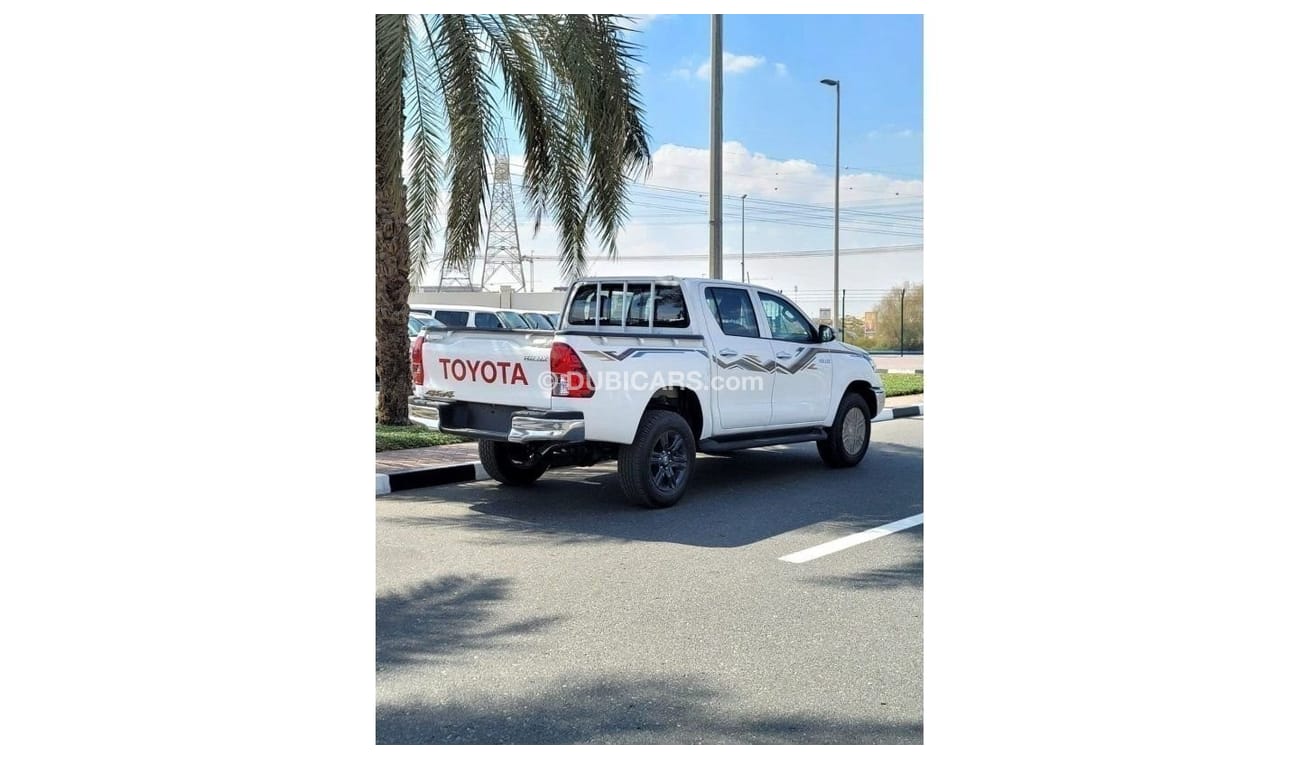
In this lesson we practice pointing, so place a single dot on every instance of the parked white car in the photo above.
(538, 320)
(649, 371)
(479, 317)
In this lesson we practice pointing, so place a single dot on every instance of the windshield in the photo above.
(538, 321)
(512, 320)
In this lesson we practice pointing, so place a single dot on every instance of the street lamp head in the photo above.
(743, 197)
(831, 82)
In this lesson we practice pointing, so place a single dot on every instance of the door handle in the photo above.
(784, 355)
(726, 352)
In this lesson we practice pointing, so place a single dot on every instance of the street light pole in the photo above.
(715, 154)
(742, 236)
(836, 287)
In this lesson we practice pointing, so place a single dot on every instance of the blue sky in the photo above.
(777, 107)
(779, 148)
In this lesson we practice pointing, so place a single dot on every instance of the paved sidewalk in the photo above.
(388, 462)
(429, 456)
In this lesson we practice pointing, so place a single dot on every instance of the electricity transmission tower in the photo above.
(502, 249)
(455, 277)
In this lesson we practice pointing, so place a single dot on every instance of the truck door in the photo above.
(741, 360)
(802, 390)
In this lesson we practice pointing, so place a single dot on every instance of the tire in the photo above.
(655, 468)
(510, 464)
(849, 437)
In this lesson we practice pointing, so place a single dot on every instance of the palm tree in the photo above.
(570, 86)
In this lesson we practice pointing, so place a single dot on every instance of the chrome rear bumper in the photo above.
(525, 429)
(499, 423)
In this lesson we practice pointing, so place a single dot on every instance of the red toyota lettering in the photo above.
(486, 371)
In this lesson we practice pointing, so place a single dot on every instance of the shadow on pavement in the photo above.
(621, 711)
(733, 500)
(907, 574)
(441, 617)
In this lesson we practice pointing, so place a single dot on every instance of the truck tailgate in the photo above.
(487, 366)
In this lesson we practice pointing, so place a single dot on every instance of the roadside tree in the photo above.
(570, 86)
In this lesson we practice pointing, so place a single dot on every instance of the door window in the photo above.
(733, 311)
(785, 321)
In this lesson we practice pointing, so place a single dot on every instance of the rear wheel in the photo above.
(849, 435)
(510, 464)
(655, 468)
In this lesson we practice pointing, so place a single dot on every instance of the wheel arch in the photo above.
(868, 394)
(684, 401)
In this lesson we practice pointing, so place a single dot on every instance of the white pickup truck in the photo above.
(648, 371)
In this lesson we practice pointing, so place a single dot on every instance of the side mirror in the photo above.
(827, 333)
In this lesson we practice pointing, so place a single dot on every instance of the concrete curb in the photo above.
(899, 412)
(900, 372)
(386, 483)
(430, 476)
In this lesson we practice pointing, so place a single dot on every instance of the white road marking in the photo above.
(839, 544)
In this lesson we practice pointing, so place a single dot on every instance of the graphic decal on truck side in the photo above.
(803, 357)
(627, 353)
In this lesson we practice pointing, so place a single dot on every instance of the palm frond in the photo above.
(512, 49)
(390, 47)
(423, 151)
(566, 186)
(591, 62)
(472, 123)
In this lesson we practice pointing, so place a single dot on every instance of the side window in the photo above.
(452, 318)
(583, 310)
(487, 321)
(733, 311)
(638, 304)
(785, 321)
(670, 307)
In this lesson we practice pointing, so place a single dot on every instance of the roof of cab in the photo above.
(677, 280)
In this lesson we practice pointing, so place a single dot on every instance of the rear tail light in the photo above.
(417, 360)
(570, 374)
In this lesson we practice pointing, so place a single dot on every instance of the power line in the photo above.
(812, 253)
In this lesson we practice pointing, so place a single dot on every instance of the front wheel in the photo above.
(656, 466)
(510, 464)
(848, 438)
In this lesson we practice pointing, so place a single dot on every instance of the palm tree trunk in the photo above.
(392, 240)
(392, 286)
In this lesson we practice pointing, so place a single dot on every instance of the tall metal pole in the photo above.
(742, 236)
(715, 155)
(835, 307)
(844, 296)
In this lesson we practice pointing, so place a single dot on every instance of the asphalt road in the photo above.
(559, 614)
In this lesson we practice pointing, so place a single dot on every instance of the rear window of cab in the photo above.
(630, 304)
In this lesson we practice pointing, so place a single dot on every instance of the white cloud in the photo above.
(888, 131)
(781, 70)
(731, 64)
